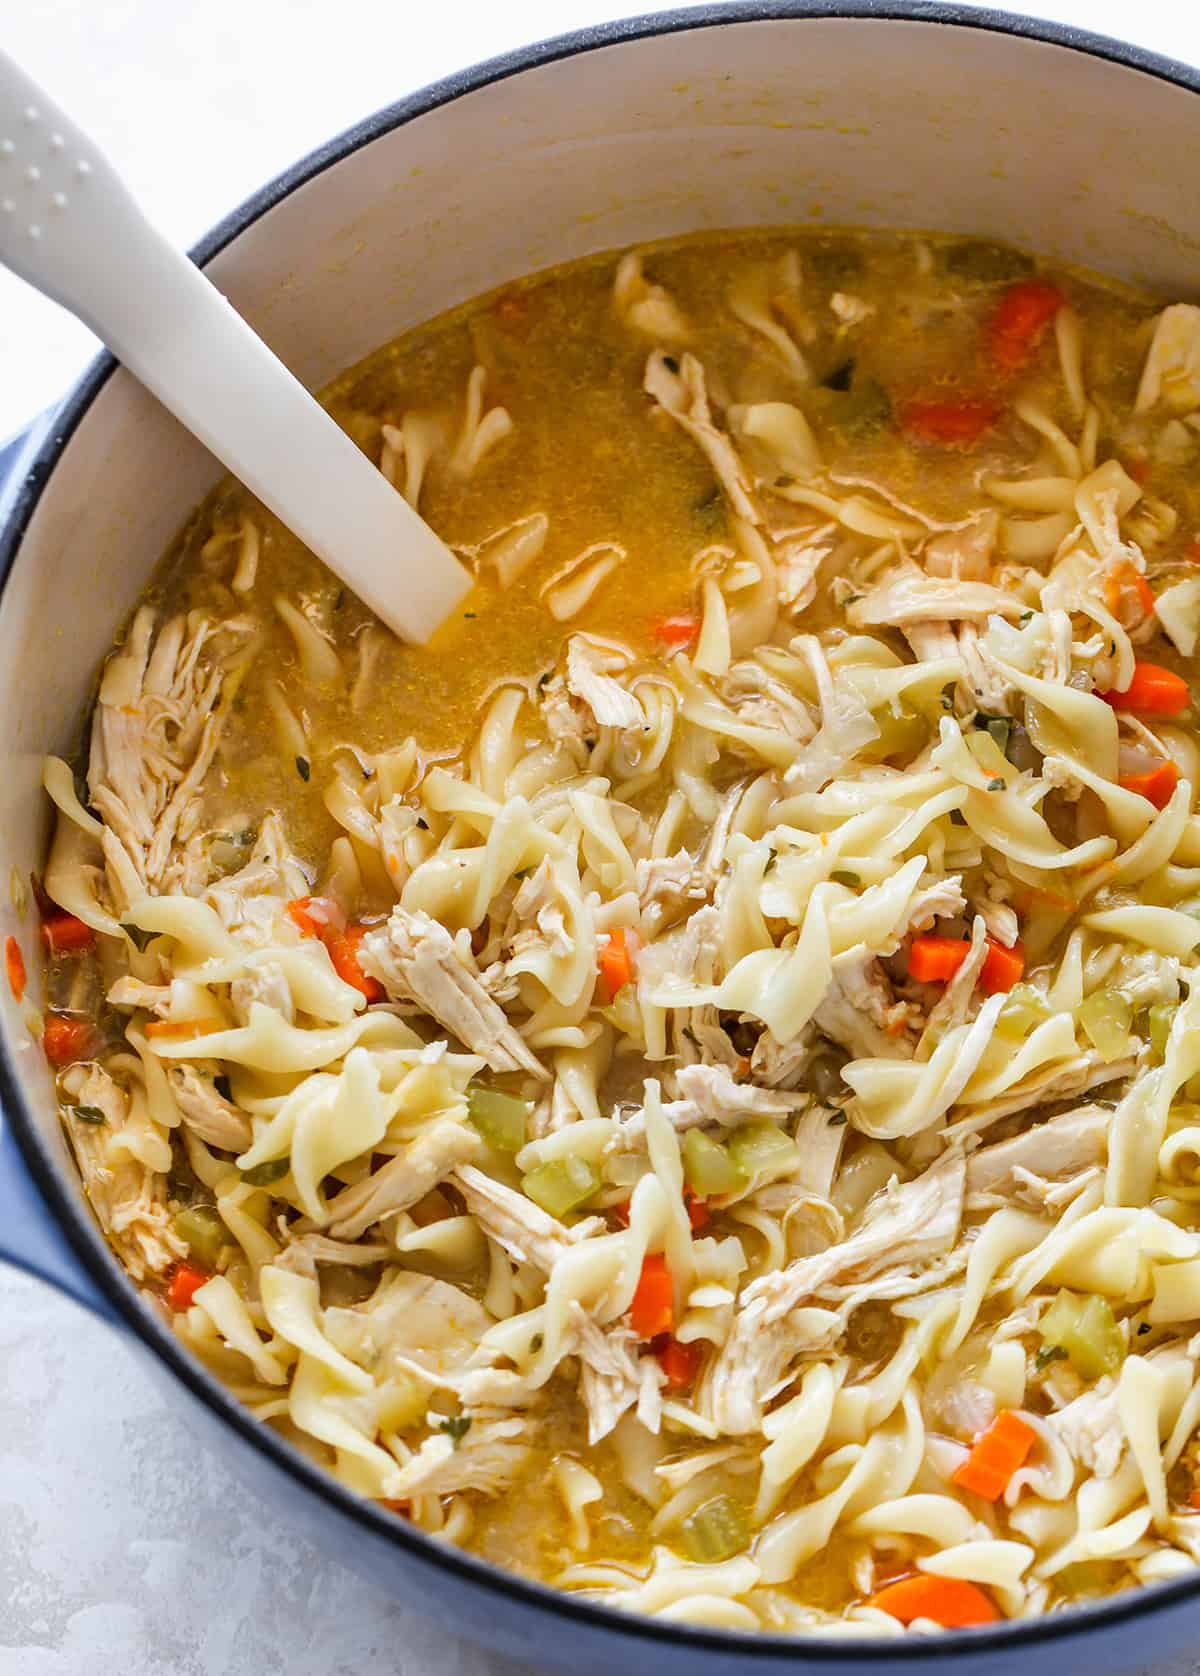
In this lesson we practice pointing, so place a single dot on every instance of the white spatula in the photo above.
(70, 227)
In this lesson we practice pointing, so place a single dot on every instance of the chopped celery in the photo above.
(1159, 1020)
(1023, 1010)
(202, 1231)
(1106, 1018)
(1086, 1328)
(499, 1118)
(760, 1146)
(562, 1185)
(707, 1166)
(262, 1175)
(716, 1531)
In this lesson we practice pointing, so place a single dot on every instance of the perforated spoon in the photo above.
(71, 228)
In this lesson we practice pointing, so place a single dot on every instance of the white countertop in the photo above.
(124, 1547)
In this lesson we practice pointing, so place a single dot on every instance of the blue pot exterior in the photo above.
(49, 1233)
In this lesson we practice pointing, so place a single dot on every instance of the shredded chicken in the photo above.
(415, 959)
(679, 389)
(524, 1230)
(208, 1113)
(909, 1223)
(1053, 1149)
(427, 1160)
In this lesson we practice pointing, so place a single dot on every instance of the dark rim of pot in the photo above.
(70, 1207)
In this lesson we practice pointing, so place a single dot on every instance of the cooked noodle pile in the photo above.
(739, 1105)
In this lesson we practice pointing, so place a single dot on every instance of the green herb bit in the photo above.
(202, 1231)
(1048, 1354)
(500, 1118)
(997, 784)
(561, 1185)
(716, 1531)
(836, 1121)
(841, 877)
(708, 1167)
(262, 1175)
(139, 938)
(1086, 1329)
(88, 1114)
(456, 1427)
(304, 769)
(1025, 618)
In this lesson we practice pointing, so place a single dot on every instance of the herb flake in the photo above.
(1047, 1354)
(456, 1427)
(998, 784)
(89, 1114)
(304, 769)
(836, 1121)
(262, 1175)
(139, 938)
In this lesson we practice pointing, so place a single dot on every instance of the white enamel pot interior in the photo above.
(906, 116)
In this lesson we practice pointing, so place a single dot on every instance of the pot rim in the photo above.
(71, 1208)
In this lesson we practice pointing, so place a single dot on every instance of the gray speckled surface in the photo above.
(123, 1546)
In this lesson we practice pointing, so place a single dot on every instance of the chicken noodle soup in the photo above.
(689, 1085)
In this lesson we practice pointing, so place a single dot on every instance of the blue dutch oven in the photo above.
(905, 115)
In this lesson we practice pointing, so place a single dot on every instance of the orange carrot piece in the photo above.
(403, 1508)
(948, 1601)
(948, 424)
(343, 949)
(1019, 321)
(65, 934)
(1156, 784)
(653, 1308)
(316, 916)
(1128, 595)
(186, 1281)
(14, 966)
(933, 959)
(1002, 968)
(1153, 691)
(996, 1455)
(680, 1362)
(66, 1040)
(616, 964)
(181, 1029)
(677, 632)
(699, 1214)
(1194, 1499)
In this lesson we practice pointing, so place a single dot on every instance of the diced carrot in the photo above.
(949, 423)
(1194, 1499)
(675, 633)
(699, 1214)
(1153, 691)
(1138, 469)
(948, 1601)
(14, 965)
(933, 959)
(316, 915)
(653, 1308)
(680, 1362)
(1127, 594)
(620, 1213)
(403, 1508)
(66, 1040)
(1019, 323)
(181, 1029)
(996, 1455)
(1002, 968)
(343, 949)
(65, 934)
(1155, 783)
(616, 964)
(186, 1281)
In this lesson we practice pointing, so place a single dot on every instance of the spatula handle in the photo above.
(71, 228)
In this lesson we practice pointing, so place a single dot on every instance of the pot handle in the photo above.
(30, 1237)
